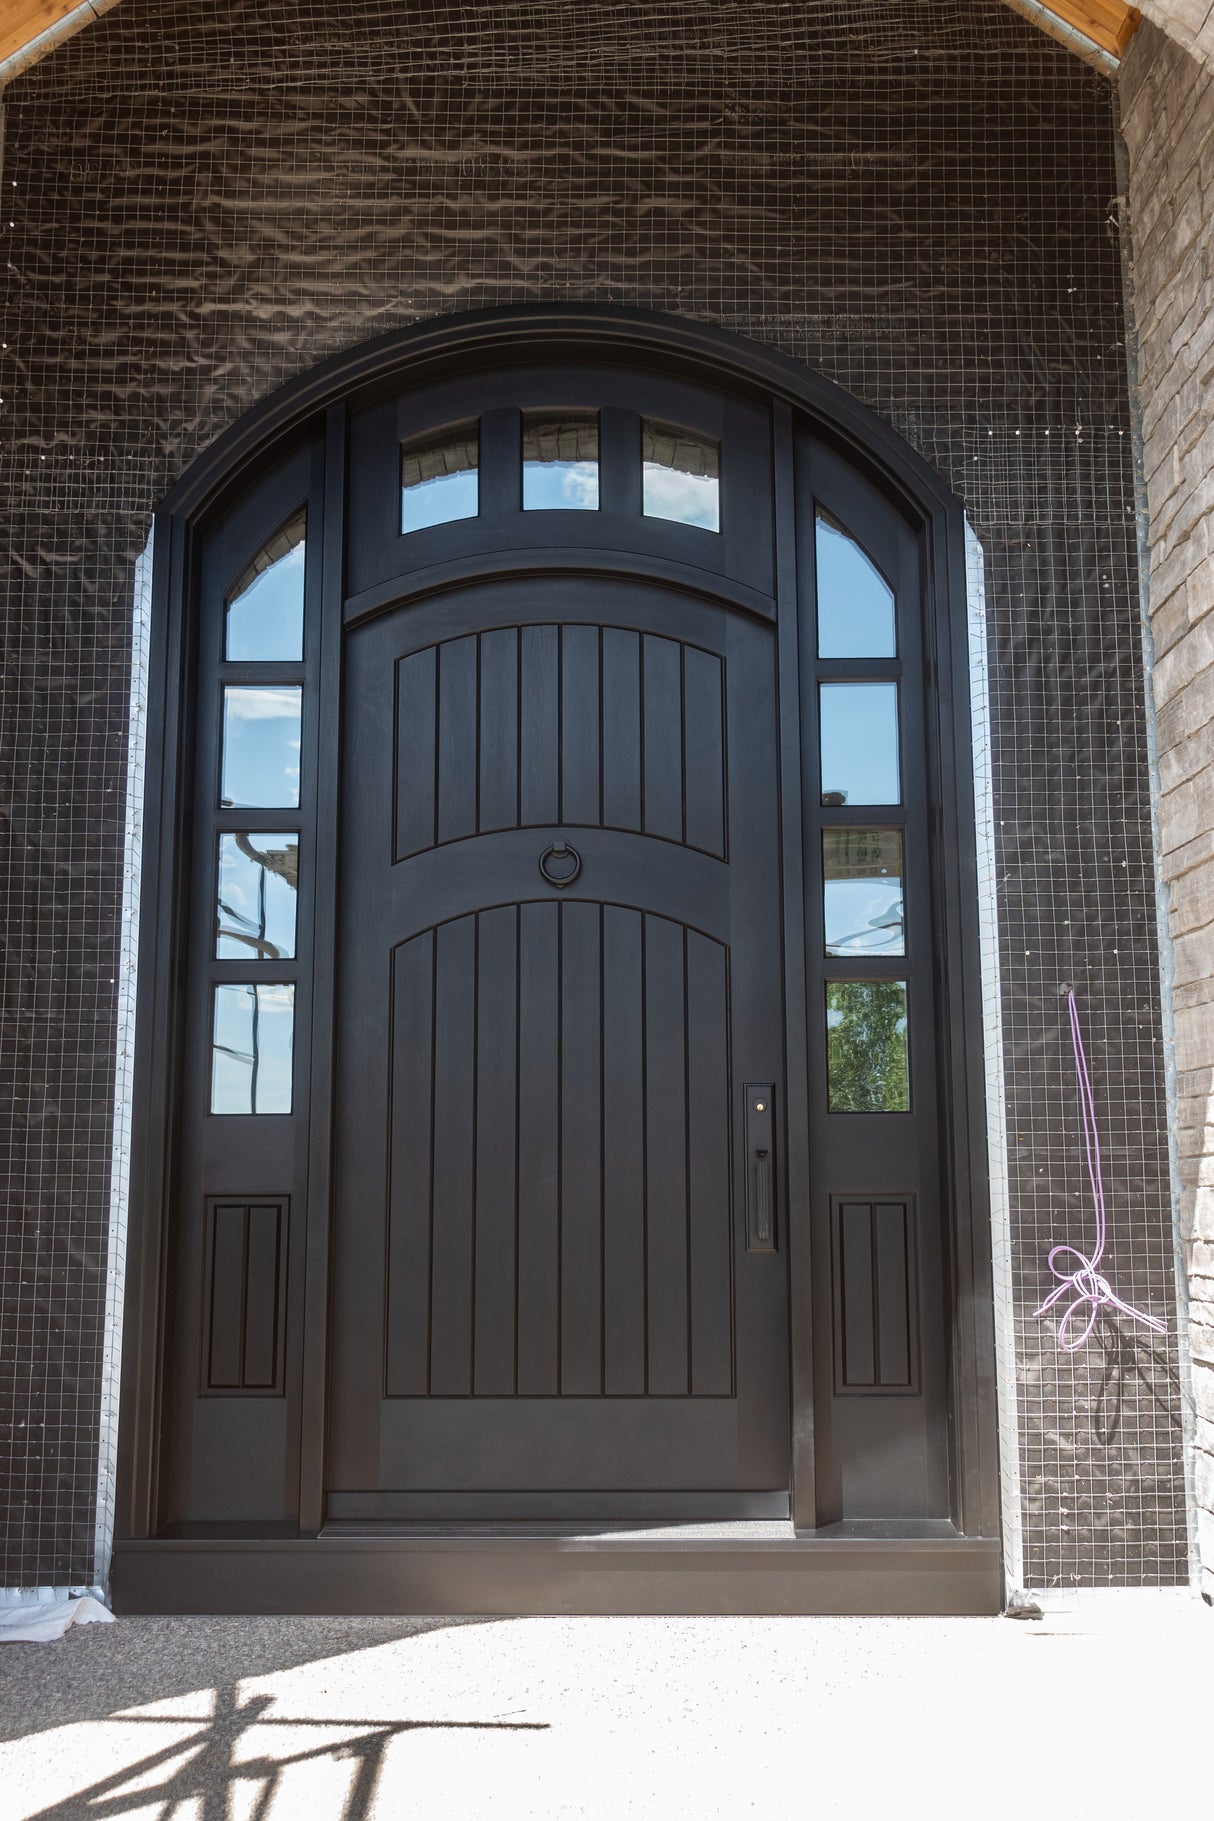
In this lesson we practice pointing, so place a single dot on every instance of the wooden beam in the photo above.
(1107, 23)
(23, 21)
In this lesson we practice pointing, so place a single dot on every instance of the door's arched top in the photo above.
(438, 352)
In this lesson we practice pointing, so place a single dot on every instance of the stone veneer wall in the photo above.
(1168, 120)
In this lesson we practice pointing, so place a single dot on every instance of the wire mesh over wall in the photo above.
(915, 198)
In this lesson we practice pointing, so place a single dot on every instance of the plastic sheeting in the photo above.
(48, 1620)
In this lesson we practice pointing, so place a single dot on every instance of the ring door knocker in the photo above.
(562, 852)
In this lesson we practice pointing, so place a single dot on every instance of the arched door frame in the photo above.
(317, 404)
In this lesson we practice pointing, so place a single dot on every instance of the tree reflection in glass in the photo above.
(866, 1052)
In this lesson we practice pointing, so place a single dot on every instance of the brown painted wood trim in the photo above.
(455, 1573)
(1108, 23)
(31, 29)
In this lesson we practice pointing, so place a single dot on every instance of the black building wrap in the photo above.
(915, 198)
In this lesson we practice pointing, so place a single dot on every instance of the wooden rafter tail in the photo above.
(1107, 23)
(1133, 19)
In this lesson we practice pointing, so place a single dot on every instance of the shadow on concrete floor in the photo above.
(100, 1670)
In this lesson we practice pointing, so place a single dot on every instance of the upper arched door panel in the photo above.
(559, 463)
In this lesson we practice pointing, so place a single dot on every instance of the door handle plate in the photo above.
(760, 1167)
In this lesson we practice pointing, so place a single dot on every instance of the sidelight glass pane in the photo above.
(560, 461)
(261, 746)
(263, 615)
(251, 1044)
(258, 887)
(681, 475)
(866, 1056)
(439, 476)
(855, 602)
(862, 891)
(860, 744)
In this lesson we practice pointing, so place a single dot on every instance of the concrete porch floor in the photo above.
(1097, 1711)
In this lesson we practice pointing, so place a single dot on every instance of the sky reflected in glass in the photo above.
(860, 744)
(440, 477)
(265, 611)
(680, 473)
(862, 891)
(258, 890)
(855, 602)
(261, 737)
(253, 1038)
(561, 461)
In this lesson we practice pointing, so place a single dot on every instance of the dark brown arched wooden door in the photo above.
(560, 976)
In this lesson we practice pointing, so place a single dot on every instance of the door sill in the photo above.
(758, 1567)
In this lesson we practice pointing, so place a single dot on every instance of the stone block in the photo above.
(1186, 742)
(1185, 813)
(1180, 856)
(1195, 1037)
(1203, 1391)
(1203, 1215)
(1193, 955)
(1203, 1478)
(1190, 658)
(1185, 716)
(1192, 901)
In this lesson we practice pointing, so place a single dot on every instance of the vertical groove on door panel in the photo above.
(457, 757)
(454, 1154)
(893, 1293)
(663, 738)
(704, 751)
(580, 795)
(581, 1052)
(416, 752)
(710, 1222)
(407, 1367)
(540, 725)
(623, 1138)
(857, 1290)
(227, 1295)
(539, 1090)
(665, 1157)
(499, 729)
(496, 1137)
(621, 729)
(261, 1313)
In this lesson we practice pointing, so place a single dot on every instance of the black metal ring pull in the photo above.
(560, 850)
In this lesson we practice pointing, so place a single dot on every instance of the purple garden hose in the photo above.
(1085, 1282)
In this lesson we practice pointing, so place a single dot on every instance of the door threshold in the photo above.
(750, 1530)
(758, 1567)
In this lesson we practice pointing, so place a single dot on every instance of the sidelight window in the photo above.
(258, 888)
(252, 1038)
(263, 614)
(261, 741)
(855, 602)
(860, 744)
(866, 1055)
(862, 891)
